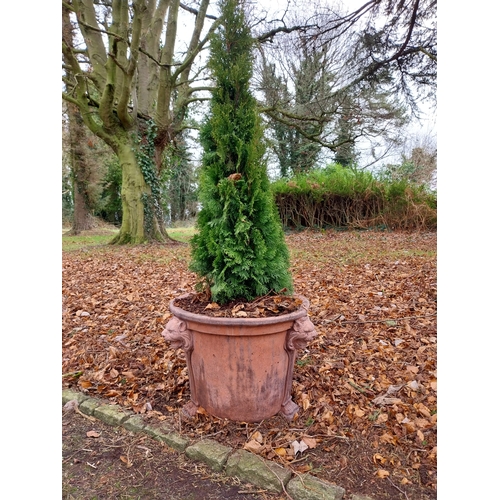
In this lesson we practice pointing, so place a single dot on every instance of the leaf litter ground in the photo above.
(366, 386)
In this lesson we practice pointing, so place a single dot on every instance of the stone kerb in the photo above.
(242, 464)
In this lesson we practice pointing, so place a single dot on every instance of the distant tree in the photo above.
(377, 61)
(181, 196)
(418, 161)
(345, 130)
(81, 173)
(308, 83)
(67, 189)
(110, 204)
(422, 158)
(84, 170)
(84, 162)
(289, 146)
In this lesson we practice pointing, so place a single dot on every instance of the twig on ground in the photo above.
(399, 489)
(360, 389)
(252, 492)
(88, 417)
(319, 435)
(282, 484)
(213, 434)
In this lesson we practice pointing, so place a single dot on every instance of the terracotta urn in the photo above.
(240, 368)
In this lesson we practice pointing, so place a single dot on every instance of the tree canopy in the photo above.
(134, 77)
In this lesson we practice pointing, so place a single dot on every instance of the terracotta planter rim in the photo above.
(213, 320)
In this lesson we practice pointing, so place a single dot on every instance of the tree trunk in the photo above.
(142, 216)
(80, 168)
(82, 218)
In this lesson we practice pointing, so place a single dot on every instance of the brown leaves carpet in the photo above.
(367, 385)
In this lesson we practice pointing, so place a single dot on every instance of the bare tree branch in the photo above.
(195, 12)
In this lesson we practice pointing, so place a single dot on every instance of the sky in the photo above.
(426, 126)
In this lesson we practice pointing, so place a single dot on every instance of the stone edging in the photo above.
(242, 464)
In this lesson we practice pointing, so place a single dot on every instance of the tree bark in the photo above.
(142, 220)
(80, 171)
(133, 187)
(83, 220)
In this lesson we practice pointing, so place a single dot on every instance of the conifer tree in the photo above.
(240, 250)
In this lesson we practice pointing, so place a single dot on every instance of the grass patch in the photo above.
(102, 237)
(72, 243)
(183, 234)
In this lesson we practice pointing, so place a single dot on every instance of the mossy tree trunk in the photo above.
(128, 80)
(142, 221)
(134, 189)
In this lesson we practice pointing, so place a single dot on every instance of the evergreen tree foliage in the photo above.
(180, 190)
(345, 153)
(240, 250)
(295, 152)
(110, 206)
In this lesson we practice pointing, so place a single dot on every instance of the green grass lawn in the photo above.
(103, 236)
(181, 233)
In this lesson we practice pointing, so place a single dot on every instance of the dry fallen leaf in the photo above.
(93, 434)
(378, 458)
(309, 441)
(423, 410)
(71, 405)
(213, 305)
(328, 417)
(382, 418)
(381, 473)
(126, 461)
(303, 468)
(388, 438)
(257, 436)
(305, 401)
(237, 309)
(385, 400)
(299, 447)
(414, 385)
(253, 446)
